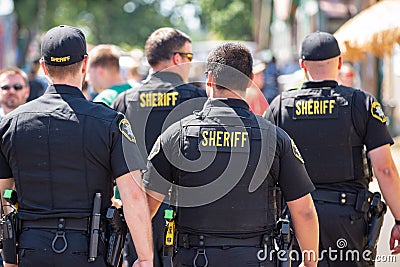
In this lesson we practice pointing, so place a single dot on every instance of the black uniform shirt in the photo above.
(367, 116)
(287, 167)
(150, 106)
(61, 149)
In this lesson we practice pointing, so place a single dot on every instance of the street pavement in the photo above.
(384, 258)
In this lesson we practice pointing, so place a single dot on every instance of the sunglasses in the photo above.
(186, 55)
(16, 86)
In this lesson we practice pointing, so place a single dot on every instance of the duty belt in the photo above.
(343, 198)
(191, 240)
(81, 224)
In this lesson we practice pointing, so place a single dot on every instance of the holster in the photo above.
(284, 240)
(8, 232)
(116, 240)
(376, 215)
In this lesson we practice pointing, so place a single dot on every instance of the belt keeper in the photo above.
(186, 243)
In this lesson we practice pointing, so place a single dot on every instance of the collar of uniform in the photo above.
(319, 84)
(64, 89)
(231, 102)
(169, 77)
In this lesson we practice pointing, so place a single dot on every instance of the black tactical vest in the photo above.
(149, 111)
(232, 146)
(320, 121)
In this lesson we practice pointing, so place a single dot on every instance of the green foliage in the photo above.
(228, 19)
(128, 23)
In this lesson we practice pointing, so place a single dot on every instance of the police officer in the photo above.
(224, 163)
(60, 150)
(149, 107)
(336, 127)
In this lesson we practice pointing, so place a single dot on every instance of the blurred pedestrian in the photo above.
(104, 73)
(254, 96)
(14, 89)
(37, 83)
(348, 76)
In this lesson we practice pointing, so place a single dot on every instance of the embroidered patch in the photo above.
(377, 112)
(156, 148)
(126, 130)
(296, 151)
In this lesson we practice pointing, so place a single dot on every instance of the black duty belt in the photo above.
(81, 224)
(342, 198)
(191, 240)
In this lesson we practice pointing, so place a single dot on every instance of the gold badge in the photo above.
(296, 151)
(126, 130)
(377, 112)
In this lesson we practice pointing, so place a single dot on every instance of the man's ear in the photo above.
(302, 65)
(85, 64)
(176, 59)
(251, 78)
(210, 79)
(43, 65)
(340, 63)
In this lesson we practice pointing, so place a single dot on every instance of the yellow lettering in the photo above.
(303, 107)
(60, 59)
(244, 135)
(226, 138)
(174, 98)
(204, 141)
(236, 139)
(218, 133)
(142, 100)
(298, 105)
(160, 99)
(325, 106)
(211, 141)
(316, 107)
(309, 104)
(331, 106)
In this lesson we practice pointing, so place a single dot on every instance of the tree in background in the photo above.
(228, 19)
(128, 23)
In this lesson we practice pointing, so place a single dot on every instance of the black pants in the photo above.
(219, 257)
(158, 224)
(35, 249)
(343, 236)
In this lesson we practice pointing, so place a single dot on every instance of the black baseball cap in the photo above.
(319, 46)
(63, 45)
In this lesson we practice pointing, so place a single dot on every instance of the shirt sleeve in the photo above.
(5, 169)
(119, 103)
(272, 112)
(125, 155)
(293, 177)
(370, 121)
(161, 172)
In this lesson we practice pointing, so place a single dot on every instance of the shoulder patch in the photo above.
(126, 130)
(377, 112)
(296, 151)
(156, 148)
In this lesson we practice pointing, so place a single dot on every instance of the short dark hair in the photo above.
(163, 42)
(226, 60)
(63, 71)
(105, 55)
